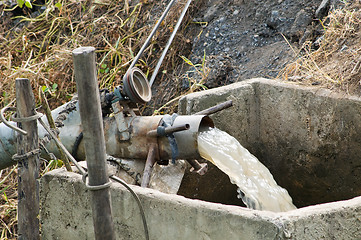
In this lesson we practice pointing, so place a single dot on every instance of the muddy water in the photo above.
(256, 186)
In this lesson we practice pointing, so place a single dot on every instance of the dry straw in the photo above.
(39, 48)
(336, 63)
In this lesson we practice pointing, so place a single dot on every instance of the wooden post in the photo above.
(28, 164)
(91, 118)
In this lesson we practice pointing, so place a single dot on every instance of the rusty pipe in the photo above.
(149, 165)
(163, 131)
(137, 147)
(200, 168)
(216, 108)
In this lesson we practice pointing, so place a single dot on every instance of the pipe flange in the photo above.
(136, 86)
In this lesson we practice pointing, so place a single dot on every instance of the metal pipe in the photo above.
(138, 145)
(145, 45)
(187, 141)
(149, 166)
(200, 168)
(69, 126)
(136, 148)
(163, 131)
(7, 145)
(170, 40)
(216, 108)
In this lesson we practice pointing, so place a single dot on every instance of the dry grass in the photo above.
(8, 203)
(195, 76)
(336, 64)
(39, 48)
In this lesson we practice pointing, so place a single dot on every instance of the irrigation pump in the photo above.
(154, 138)
(157, 139)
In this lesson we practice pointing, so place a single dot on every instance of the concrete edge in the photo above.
(323, 208)
(151, 193)
(275, 82)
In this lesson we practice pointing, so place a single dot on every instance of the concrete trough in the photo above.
(308, 137)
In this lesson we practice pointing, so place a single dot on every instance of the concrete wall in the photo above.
(308, 137)
(66, 214)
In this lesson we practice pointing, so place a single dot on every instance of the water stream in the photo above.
(256, 185)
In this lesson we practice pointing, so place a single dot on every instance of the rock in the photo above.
(220, 70)
(274, 20)
(211, 13)
(323, 9)
(250, 33)
(302, 20)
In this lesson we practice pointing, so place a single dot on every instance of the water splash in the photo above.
(256, 185)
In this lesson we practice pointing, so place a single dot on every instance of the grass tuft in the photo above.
(335, 63)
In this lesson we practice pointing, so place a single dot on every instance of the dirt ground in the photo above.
(244, 38)
(241, 39)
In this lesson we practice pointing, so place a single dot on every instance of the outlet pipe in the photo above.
(137, 147)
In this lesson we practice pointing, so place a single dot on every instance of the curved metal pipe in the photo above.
(3, 119)
(146, 43)
(170, 40)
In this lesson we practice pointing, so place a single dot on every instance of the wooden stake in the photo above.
(91, 118)
(28, 167)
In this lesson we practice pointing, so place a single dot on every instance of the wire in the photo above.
(138, 202)
(3, 119)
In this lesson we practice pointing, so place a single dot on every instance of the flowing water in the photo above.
(256, 185)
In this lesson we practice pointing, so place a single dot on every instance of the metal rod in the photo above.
(62, 147)
(170, 40)
(28, 164)
(49, 117)
(146, 43)
(91, 119)
(216, 108)
(3, 119)
(168, 130)
(148, 166)
(200, 168)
